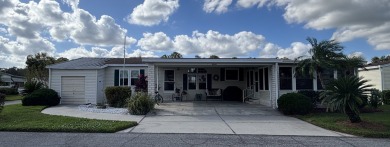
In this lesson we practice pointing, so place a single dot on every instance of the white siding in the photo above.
(374, 77)
(386, 77)
(90, 82)
(100, 86)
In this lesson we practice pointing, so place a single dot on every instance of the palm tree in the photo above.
(348, 65)
(345, 95)
(323, 55)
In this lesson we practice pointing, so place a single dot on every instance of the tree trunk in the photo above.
(321, 80)
(353, 116)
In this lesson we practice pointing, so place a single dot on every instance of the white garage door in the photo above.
(72, 90)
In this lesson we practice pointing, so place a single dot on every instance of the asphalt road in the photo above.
(14, 139)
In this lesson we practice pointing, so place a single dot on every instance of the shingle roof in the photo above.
(93, 63)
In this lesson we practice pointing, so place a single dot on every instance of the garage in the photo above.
(72, 90)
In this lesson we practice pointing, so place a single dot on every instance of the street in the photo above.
(13, 139)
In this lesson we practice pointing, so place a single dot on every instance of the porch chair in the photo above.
(177, 95)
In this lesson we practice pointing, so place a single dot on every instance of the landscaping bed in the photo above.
(374, 124)
(30, 118)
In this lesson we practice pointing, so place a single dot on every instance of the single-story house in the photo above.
(9, 80)
(378, 75)
(262, 80)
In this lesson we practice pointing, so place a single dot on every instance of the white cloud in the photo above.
(204, 44)
(155, 42)
(115, 52)
(217, 6)
(251, 3)
(295, 50)
(153, 12)
(356, 54)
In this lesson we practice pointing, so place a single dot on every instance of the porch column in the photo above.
(151, 80)
(274, 85)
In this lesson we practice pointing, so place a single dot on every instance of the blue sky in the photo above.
(227, 28)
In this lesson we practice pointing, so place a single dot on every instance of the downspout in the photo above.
(50, 78)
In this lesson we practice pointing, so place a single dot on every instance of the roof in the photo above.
(98, 63)
(6, 77)
(93, 63)
(221, 60)
(376, 64)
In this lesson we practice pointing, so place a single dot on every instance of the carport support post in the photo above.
(151, 80)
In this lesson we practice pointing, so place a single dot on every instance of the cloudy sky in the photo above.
(227, 28)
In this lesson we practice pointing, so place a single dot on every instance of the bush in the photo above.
(2, 99)
(31, 86)
(140, 104)
(116, 96)
(375, 99)
(294, 103)
(386, 96)
(9, 91)
(44, 97)
(313, 95)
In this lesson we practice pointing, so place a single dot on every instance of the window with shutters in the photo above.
(123, 77)
(231, 74)
(134, 76)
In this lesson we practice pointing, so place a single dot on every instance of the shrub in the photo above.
(44, 97)
(140, 104)
(386, 96)
(375, 98)
(294, 103)
(2, 99)
(9, 91)
(116, 96)
(313, 95)
(31, 86)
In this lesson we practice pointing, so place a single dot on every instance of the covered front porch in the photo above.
(248, 80)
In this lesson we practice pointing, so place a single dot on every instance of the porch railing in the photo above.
(248, 93)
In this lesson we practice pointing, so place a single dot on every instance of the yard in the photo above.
(373, 124)
(30, 118)
(13, 97)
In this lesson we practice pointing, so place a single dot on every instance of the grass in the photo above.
(373, 124)
(30, 119)
(13, 97)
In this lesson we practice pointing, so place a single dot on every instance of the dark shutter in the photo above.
(209, 80)
(116, 78)
(142, 72)
(241, 74)
(222, 73)
(185, 81)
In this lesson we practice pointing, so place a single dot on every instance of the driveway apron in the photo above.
(224, 118)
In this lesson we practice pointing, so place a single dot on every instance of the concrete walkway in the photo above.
(225, 118)
(73, 111)
(12, 102)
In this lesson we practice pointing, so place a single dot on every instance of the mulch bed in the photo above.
(363, 124)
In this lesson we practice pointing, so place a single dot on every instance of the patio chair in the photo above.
(177, 95)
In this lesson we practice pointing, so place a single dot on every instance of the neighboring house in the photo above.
(378, 75)
(9, 80)
(265, 79)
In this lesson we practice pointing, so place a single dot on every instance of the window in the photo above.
(134, 76)
(231, 74)
(285, 75)
(202, 81)
(191, 81)
(123, 78)
(304, 81)
(169, 80)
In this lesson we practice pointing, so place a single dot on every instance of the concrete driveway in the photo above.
(225, 118)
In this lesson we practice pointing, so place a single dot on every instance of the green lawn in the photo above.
(374, 124)
(13, 97)
(30, 118)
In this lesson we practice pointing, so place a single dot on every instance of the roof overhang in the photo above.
(216, 62)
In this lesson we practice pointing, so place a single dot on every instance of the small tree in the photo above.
(345, 95)
(142, 84)
(214, 57)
